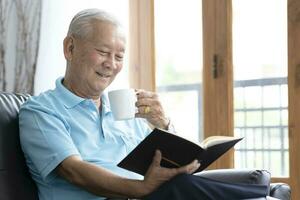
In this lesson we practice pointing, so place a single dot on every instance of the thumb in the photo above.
(156, 158)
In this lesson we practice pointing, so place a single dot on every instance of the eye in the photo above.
(102, 52)
(119, 57)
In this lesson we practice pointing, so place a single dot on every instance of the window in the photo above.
(260, 82)
(178, 42)
(236, 101)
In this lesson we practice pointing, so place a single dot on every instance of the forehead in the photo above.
(104, 33)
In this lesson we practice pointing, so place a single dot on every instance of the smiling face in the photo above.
(93, 61)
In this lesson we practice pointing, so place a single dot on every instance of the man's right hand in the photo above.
(102, 182)
(156, 175)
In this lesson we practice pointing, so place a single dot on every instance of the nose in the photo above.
(110, 62)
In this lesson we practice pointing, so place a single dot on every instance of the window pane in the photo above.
(260, 79)
(239, 118)
(253, 118)
(178, 102)
(178, 42)
(252, 96)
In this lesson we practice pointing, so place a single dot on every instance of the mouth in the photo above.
(103, 75)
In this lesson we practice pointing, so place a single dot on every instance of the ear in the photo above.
(68, 47)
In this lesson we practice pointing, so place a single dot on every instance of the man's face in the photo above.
(97, 59)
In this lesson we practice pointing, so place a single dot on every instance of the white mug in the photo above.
(122, 103)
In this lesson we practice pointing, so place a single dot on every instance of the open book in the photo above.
(176, 151)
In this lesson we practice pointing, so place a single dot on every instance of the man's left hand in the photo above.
(150, 108)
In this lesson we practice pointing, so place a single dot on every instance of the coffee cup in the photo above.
(122, 103)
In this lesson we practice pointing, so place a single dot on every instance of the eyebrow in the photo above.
(107, 46)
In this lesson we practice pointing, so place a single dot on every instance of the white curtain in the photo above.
(19, 43)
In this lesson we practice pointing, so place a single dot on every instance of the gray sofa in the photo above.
(16, 183)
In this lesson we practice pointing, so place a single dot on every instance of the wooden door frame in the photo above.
(217, 73)
(141, 44)
(294, 95)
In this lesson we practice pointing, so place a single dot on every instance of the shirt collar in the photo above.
(68, 98)
(105, 103)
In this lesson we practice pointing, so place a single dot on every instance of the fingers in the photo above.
(147, 100)
(146, 110)
(156, 158)
(156, 175)
(150, 108)
(141, 94)
(148, 104)
(189, 168)
(142, 113)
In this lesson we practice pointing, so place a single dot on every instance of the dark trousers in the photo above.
(191, 187)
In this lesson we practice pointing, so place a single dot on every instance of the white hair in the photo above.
(81, 24)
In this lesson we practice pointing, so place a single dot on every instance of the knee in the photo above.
(182, 180)
(176, 188)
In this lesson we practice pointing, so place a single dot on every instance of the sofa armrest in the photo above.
(280, 191)
(276, 190)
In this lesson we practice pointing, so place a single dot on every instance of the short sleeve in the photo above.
(45, 139)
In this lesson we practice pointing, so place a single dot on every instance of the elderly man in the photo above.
(71, 143)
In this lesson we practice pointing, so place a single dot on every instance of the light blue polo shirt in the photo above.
(58, 124)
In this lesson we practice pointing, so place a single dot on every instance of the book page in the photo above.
(214, 140)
